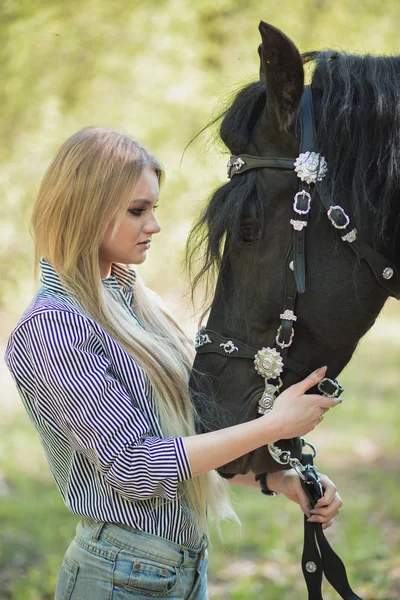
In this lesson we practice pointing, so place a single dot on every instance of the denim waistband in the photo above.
(141, 543)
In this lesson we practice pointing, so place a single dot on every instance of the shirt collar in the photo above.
(121, 277)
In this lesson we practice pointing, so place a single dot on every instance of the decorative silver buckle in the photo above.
(329, 213)
(336, 385)
(298, 210)
(282, 344)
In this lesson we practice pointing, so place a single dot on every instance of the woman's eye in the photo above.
(136, 211)
(139, 211)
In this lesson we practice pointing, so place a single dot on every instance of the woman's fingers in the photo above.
(326, 513)
(328, 506)
(312, 379)
(329, 491)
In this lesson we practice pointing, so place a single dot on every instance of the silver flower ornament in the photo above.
(268, 363)
(311, 167)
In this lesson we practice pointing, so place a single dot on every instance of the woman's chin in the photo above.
(139, 258)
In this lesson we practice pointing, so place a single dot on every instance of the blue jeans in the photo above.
(114, 562)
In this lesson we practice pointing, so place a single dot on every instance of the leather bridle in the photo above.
(383, 269)
(207, 340)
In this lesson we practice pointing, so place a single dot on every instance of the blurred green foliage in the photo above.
(160, 70)
(156, 69)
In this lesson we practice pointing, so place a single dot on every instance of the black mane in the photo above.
(358, 131)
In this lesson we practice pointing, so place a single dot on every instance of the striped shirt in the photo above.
(93, 410)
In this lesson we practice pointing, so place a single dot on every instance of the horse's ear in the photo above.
(282, 67)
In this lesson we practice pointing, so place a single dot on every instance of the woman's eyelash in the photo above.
(138, 211)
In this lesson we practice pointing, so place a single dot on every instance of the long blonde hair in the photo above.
(90, 182)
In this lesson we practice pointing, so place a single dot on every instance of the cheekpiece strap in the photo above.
(302, 200)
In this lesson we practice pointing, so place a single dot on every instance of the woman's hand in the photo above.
(296, 413)
(288, 483)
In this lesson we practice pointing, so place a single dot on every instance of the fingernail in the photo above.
(321, 371)
(338, 400)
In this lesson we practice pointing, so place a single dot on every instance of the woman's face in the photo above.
(133, 236)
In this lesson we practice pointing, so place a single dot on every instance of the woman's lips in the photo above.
(145, 244)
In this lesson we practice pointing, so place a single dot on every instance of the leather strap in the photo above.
(308, 134)
(318, 557)
(377, 263)
(245, 162)
(218, 343)
(302, 201)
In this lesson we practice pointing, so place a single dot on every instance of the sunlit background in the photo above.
(161, 70)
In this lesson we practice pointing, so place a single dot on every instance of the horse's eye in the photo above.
(249, 232)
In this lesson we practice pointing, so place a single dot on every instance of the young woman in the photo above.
(103, 372)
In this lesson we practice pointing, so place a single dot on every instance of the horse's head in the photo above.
(249, 235)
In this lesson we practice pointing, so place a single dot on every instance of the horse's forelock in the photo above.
(240, 118)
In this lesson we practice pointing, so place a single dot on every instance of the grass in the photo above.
(358, 446)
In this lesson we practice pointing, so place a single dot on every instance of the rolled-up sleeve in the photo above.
(75, 393)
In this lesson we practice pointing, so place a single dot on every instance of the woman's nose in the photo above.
(152, 225)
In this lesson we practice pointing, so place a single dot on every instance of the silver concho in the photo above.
(268, 363)
(229, 347)
(388, 273)
(350, 237)
(311, 567)
(311, 167)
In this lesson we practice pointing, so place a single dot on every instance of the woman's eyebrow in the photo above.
(145, 200)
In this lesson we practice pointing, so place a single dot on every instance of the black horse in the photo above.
(251, 243)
